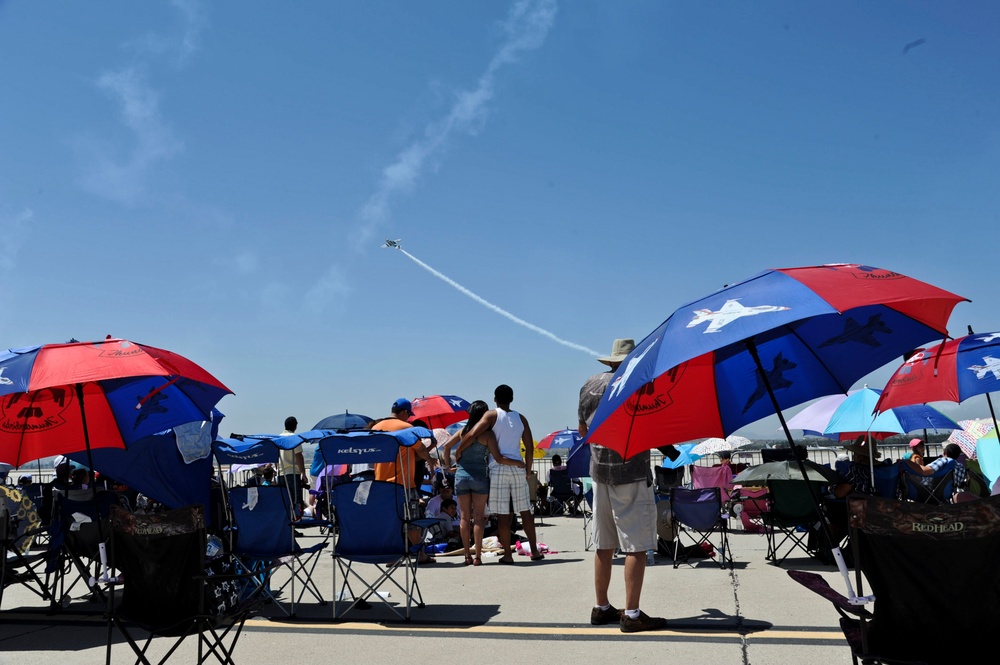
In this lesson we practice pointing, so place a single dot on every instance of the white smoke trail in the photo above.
(502, 312)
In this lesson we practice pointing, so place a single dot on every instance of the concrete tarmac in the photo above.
(525, 613)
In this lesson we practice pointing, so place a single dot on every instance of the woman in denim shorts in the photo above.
(472, 480)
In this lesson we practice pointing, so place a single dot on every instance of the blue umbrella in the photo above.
(346, 420)
(855, 416)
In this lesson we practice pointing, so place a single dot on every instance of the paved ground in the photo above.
(529, 612)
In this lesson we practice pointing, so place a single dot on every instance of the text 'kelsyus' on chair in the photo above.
(932, 573)
(698, 514)
(168, 589)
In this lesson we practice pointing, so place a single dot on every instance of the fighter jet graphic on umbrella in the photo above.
(729, 312)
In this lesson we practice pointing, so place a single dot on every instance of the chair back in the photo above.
(370, 515)
(262, 519)
(713, 476)
(792, 502)
(919, 560)
(560, 486)
(159, 555)
(776, 454)
(886, 480)
(936, 488)
(699, 508)
(754, 501)
(667, 478)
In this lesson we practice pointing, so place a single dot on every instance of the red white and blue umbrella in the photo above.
(62, 398)
(440, 410)
(952, 371)
(563, 438)
(771, 342)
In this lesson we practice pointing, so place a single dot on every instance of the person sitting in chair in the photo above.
(949, 459)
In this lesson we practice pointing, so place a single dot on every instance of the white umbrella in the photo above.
(716, 445)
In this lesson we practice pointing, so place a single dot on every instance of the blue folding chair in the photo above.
(264, 540)
(886, 480)
(698, 515)
(936, 488)
(374, 520)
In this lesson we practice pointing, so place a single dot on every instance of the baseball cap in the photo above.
(402, 404)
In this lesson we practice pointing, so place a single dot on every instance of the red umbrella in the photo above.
(64, 398)
(949, 372)
(440, 410)
(563, 438)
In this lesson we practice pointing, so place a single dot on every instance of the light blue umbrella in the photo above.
(686, 456)
(856, 416)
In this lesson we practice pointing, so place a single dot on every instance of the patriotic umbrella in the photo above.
(63, 398)
(563, 438)
(440, 410)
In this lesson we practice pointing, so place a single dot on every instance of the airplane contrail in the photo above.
(502, 312)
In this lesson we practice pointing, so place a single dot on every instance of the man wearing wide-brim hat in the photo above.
(624, 510)
(858, 477)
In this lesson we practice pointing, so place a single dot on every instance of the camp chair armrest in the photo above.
(817, 584)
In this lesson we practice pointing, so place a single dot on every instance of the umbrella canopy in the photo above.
(771, 342)
(63, 398)
(813, 419)
(988, 454)
(856, 416)
(562, 438)
(686, 456)
(971, 432)
(345, 420)
(952, 372)
(440, 410)
(787, 470)
(715, 445)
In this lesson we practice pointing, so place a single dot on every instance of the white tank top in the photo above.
(508, 430)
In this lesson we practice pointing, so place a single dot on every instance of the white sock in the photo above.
(603, 608)
(632, 614)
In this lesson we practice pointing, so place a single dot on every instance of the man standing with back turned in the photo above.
(624, 510)
(509, 483)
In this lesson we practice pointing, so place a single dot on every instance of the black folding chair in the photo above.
(792, 516)
(18, 563)
(169, 590)
(928, 567)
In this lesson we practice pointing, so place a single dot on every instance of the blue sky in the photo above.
(216, 179)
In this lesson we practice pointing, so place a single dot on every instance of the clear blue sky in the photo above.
(216, 179)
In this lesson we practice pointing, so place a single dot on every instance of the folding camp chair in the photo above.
(792, 516)
(561, 497)
(699, 515)
(168, 588)
(79, 525)
(265, 540)
(667, 478)
(375, 520)
(928, 566)
(935, 489)
(18, 564)
(751, 504)
(886, 480)
(587, 510)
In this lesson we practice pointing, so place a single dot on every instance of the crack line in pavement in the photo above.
(744, 643)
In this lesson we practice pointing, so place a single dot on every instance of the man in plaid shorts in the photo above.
(508, 470)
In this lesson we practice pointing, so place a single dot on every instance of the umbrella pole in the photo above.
(101, 545)
(824, 525)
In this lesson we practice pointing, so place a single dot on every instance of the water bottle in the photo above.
(650, 557)
(213, 547)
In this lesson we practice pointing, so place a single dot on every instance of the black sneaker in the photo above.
(643, 623)
(599, 617)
